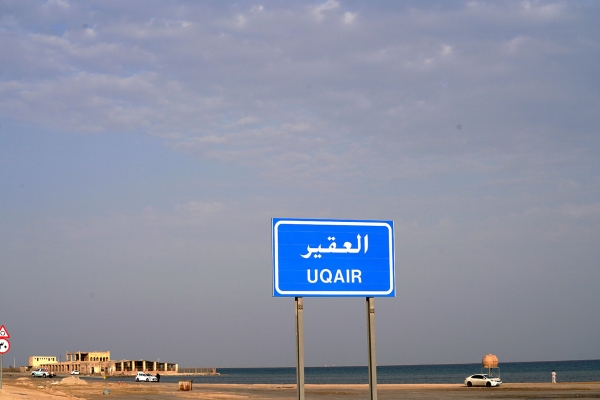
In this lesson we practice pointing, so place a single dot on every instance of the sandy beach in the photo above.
(17, 386)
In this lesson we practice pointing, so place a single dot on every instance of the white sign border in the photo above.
(332, 293)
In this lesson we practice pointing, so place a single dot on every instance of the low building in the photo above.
(99, 363)
(36, 361)
(88, 356)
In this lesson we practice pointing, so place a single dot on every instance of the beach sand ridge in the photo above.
(19, 388)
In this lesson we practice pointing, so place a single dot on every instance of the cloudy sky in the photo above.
(146, 145)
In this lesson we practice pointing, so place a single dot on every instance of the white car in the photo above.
(482, 380)
(74, 372)
(43, 373)
(144, 377)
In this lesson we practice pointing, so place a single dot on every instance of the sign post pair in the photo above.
(4, 348)
(333, 258)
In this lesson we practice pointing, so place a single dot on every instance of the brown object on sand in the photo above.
(489, 361)
(72, 380)
(185, 385)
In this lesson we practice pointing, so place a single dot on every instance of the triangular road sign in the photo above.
(3, 333)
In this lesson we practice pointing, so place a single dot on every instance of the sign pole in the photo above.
(1, 356)
(372, 347)
(300, 347)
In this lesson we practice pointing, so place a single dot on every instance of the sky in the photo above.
(145, 147)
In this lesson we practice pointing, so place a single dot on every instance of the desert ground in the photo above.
(20, 386)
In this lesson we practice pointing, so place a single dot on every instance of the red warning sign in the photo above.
(4, 346)
(3, 333)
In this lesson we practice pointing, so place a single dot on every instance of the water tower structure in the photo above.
(489, 363)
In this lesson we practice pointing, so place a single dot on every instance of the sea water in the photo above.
(566, 371)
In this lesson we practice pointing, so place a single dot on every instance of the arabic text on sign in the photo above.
(347, 249)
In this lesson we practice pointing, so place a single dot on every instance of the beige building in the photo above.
(90, 356)
(36, 361)
(99, 363)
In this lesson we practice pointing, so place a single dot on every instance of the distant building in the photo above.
(99, 363)
(91, 356)
(36, 361)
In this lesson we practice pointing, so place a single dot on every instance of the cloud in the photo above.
(64, 4)
(103, 102)
(322, 8)
(543, 10)
(446, 50)
(349, 17)
(199, 209)
(194, 79)
(582, 210)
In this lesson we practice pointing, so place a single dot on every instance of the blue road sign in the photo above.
(333, 258)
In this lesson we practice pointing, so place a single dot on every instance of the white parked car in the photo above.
(144, 377)
(43, 373)
(74, 372)
(482, 380)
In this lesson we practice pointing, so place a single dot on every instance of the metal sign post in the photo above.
(372, 347)
(300, 347)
